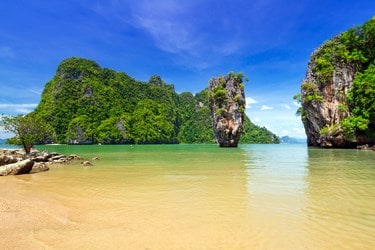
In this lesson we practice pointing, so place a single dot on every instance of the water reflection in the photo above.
(276, 169)
(311, 197)
(340, 194)
(276, 187)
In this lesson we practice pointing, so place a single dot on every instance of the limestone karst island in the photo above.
(338, 93)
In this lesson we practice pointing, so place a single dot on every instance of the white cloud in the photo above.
(167, 24)
(38, 92)
(249, 102)
(281, 121)
(179, 27)
(285, 106)
(14, 106)
(18, 108)
(265, 107)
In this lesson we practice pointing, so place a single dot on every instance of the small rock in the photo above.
(86, 163)
(74, 157)
(60, 160)
(39, 167)
(95, 158)
(57, 157)
(5, 159)
(363, 147)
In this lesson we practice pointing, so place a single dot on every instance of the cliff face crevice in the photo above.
(331, 113)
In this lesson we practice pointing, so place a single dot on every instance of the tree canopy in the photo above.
(29, 129)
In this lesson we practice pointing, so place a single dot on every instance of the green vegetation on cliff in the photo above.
(361, 100)
(358, 49)
(87, 104)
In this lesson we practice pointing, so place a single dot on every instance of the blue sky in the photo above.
(185, 42)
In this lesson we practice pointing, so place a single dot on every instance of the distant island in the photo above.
(292, 140)
(338, 93)
(86, 104)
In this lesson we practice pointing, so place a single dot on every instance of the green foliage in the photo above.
(329, 130)
(255, 134)
(29, 130)
(114, 130)
(239, 76)
(324, 68)
(298, 99)
(219, 94)
(343, 107)
(352, 125)
(354, 47)
(196, 122)
(81, 130)
(361, 99)
(310, 92)
(151, 124)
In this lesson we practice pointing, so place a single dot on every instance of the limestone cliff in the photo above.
(227, 103)
(331, 113)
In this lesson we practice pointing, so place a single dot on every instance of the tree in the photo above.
(28, 130)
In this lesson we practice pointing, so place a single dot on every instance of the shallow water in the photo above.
(194, 196)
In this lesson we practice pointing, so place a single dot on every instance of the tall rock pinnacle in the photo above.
(227, 103)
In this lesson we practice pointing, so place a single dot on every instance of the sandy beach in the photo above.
(24, 217)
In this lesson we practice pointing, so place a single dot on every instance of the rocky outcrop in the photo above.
(227, 104)
(21, 167)
(15, 162)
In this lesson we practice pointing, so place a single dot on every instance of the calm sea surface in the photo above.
(194, 197)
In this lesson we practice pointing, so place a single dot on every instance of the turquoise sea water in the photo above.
(6, 146)
(205, 197)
